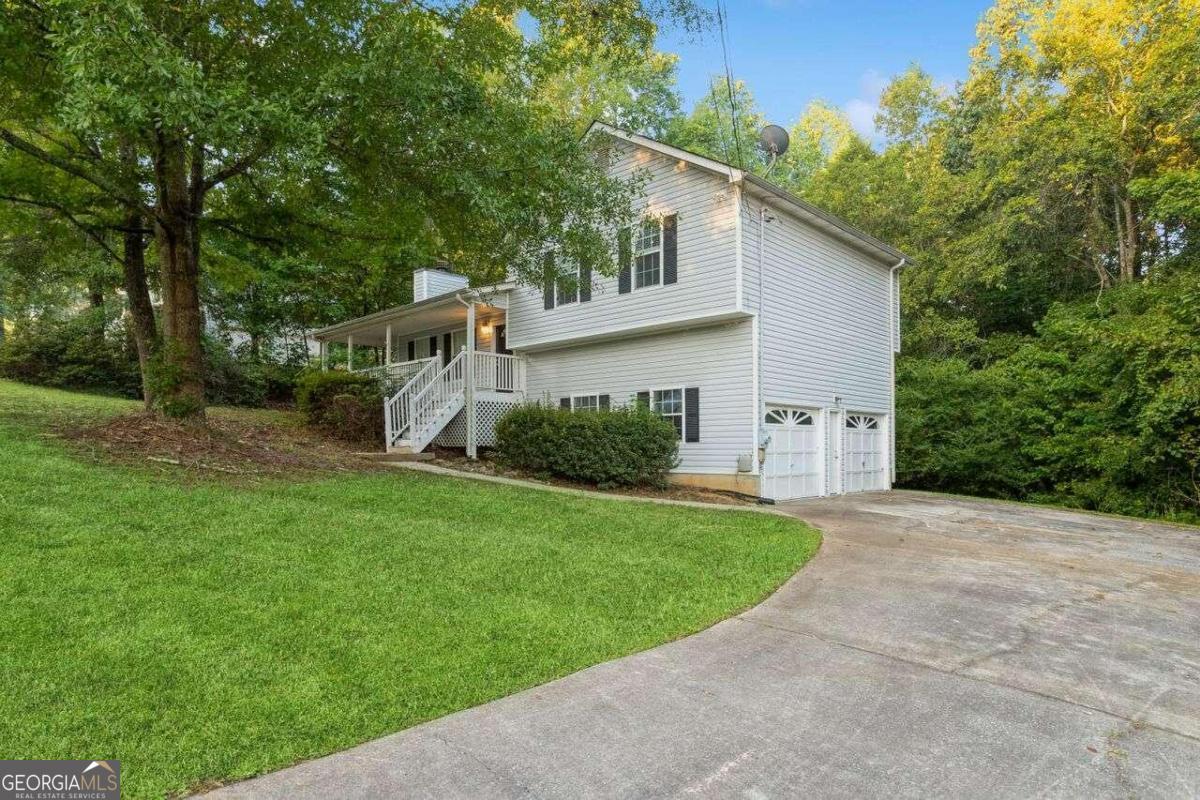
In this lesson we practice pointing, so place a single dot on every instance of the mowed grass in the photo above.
(206, 632)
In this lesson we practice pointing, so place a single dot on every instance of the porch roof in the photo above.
(433, 313)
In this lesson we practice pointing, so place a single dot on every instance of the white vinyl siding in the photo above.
(704, 204)
(715, 359)
(825, 317)
(433, 282)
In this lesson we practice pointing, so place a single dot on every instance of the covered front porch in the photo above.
(444, 364)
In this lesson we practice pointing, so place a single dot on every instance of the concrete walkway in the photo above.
(934, 648)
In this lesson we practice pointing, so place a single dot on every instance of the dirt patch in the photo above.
(224, 447)
(486, 464)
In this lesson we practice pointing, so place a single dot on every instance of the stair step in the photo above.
(398, 454)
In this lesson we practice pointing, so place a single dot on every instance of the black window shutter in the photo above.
(446, 356)
(691, 414)
(433, 348)
(624, 260)
(564, 402)
(670, 248)
(585, 284)
(643, 399)
(412, 349)
(605, 404)
(548, 281)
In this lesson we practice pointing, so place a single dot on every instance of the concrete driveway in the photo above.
(935, 647)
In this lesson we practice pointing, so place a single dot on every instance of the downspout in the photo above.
(761, 444)
(893, 338)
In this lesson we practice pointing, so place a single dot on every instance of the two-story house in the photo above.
(763, 328)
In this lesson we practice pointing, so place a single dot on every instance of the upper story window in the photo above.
(648, 254)
(566, 287)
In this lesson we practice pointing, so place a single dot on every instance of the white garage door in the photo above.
(793, 459)
(862, 454)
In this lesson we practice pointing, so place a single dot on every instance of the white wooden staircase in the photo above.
(423, 406)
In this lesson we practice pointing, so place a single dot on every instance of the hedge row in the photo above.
(622, 447)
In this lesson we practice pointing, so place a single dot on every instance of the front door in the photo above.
(504, 366)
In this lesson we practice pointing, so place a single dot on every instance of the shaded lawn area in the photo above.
(206, 632)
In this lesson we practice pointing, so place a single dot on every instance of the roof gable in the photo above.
(823, 220)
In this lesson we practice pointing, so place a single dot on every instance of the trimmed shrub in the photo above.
(622, 447)
(344, 405)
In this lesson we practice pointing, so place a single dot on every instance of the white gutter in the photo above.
(893, 341)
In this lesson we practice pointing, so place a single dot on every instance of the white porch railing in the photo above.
(432, 407)
(395, 375)
(397, 408)
(499, 373)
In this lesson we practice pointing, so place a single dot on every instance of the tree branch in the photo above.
(88, 230)
(65, 165)
(237, 167)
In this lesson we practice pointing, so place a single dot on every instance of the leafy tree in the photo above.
(709, 129)
(421, 114)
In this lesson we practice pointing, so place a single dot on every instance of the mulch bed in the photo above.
(221, 447)
(487, 465)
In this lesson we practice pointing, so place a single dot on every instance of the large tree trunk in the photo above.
(137, 293)
(175, 234)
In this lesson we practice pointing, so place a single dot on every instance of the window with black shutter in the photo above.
(624, 260)
(412, 350)
(548, 281)
(691, 414)
(670, 241)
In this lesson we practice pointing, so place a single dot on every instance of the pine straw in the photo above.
(223, 447)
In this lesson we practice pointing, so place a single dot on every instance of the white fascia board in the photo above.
(732, 173)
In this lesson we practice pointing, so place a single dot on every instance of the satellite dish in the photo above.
(773, 140)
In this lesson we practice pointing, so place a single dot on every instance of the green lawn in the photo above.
(206, 632)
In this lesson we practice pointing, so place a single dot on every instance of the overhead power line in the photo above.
(722, 20)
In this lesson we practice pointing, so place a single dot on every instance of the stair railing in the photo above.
(429, 405)
(397, 407)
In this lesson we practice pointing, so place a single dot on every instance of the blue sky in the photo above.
(793, 51)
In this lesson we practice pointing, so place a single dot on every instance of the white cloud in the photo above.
(862, 109)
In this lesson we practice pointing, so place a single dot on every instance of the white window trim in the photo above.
(682, 408)
(636, 236)
(595, 395)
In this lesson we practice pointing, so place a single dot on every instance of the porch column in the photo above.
(350, 353)
(387, 344)
(469, 384)
(323, 346)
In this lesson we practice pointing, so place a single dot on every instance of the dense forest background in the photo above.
(1051, 315)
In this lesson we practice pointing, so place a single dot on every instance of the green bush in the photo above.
(89, 351)
(1100, 409)
(344, 405)
(623, 447)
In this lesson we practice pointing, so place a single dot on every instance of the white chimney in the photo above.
(432, 281)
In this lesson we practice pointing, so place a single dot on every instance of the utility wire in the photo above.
(722, 19)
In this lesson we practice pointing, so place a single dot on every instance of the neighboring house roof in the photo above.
(830, 223)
